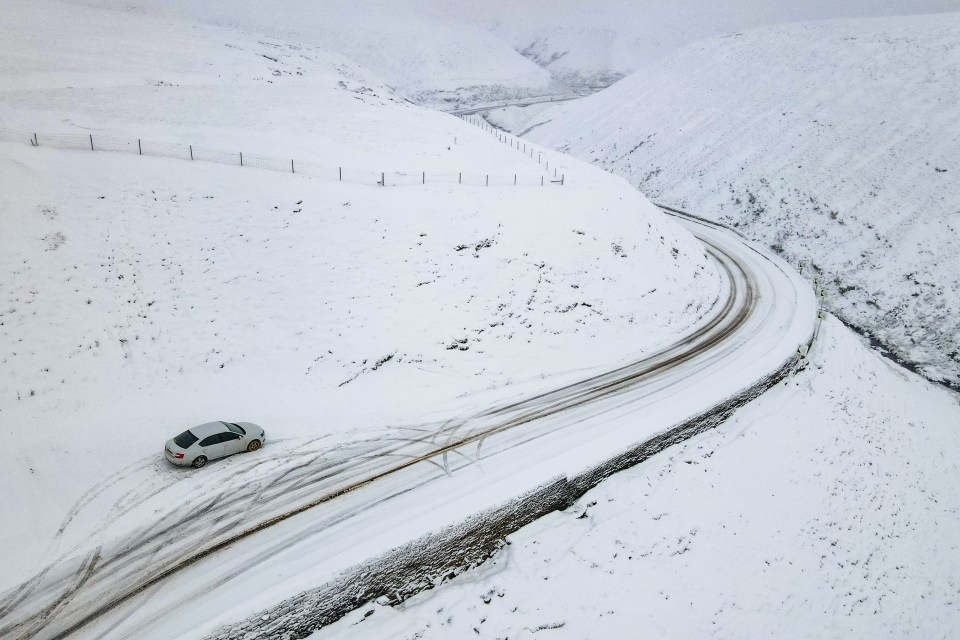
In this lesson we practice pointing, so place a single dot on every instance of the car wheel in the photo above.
(199, 461)
(254, 445)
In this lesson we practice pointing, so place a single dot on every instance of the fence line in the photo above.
(519, 144)
(90, 142)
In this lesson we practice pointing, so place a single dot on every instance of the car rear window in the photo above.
(185, 439)
(235, 428)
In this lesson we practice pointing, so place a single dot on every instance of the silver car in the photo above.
(211, 441)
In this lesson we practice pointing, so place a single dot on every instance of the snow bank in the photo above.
(832, 142)
(140, 295)
(823, 509)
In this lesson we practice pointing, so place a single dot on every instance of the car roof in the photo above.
(208, 428)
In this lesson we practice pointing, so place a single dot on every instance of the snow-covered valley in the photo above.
(430, 357)
(450, 53)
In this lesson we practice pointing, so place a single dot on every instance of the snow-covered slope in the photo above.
(825, 509)
(427, 57)
(141, 295)
(833, 142)
(77, 69)
(464, 52)
(591, 44)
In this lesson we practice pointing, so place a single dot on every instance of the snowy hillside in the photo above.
(825, 509)
(168, 80)
(143, 295)
(592, 44)
(427, 58)
(455, 52)
(831, 142)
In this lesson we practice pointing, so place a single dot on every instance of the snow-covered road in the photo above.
(467, 111)
(299, 518)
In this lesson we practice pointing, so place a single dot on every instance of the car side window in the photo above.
(235, 428)
(209, 440)
(227, 437)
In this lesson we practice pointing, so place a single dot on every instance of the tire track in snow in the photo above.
(123, 570)
(146, 559)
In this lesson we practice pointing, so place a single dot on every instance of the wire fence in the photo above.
(91, 142)
(542, 158)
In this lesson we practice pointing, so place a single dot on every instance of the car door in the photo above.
(212, 446)
(232, 443)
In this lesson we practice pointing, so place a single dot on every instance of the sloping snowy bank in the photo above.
(827, 509)
(832, 142)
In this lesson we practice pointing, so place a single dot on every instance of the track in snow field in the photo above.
(255, 526)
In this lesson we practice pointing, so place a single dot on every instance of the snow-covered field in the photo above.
(832, 142)
(139, 296)
(825, 509)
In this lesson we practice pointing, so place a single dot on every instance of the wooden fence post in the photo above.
(460, 178)
(139, 147)
(424, 177)
(514, 179)
(292, 170)
(340, 173)
(91, 142)
(488, 179)
(241, 158)
(35, 143)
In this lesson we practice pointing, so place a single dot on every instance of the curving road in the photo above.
(515, 103)
(298, 516)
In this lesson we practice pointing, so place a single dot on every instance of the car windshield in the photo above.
(185, 439)
(235, 428)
